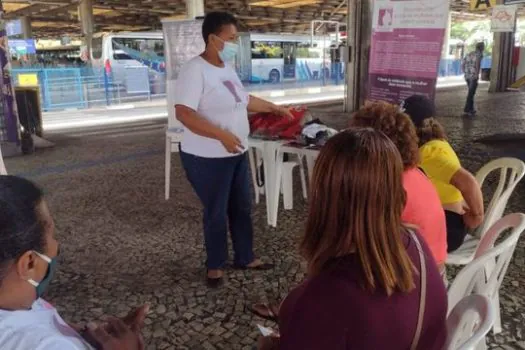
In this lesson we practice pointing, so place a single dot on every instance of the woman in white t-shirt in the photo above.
(28, 259)
(213, 106)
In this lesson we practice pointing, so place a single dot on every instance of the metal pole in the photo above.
(350, 57)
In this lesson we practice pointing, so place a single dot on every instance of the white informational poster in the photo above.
(182, 41)
(504, 18)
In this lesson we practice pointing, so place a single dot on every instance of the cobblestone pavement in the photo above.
(123, 245)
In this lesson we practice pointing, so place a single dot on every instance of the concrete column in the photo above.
(446, 42)
(194, 8)
(501, 76)
(9, 130)
(27, 31)
(87, 23)
(359, 35)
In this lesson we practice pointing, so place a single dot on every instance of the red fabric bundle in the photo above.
(269, 125)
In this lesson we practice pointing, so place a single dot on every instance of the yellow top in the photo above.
(440, 163)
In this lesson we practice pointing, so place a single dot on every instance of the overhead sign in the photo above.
(504, 18)
(22, 47)
(28, 79)
(482, 5)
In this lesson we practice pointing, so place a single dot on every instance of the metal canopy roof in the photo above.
(55, 18)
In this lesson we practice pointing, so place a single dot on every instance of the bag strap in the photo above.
(422, 292)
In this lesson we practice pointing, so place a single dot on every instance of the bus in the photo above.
(274, 58)
(111, 51)
(262, 58)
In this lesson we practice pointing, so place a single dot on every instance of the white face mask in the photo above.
(229, 51)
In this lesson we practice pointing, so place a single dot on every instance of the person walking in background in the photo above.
(212, 105)
(458, 189)
(471, 66)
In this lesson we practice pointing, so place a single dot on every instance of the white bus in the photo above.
(262, 58)
(106, 50)
(278, 57)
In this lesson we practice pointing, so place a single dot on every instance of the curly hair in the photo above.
(430, 130)
(395, 124)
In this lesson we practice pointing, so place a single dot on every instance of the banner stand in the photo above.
(407, 42)
(182, 42)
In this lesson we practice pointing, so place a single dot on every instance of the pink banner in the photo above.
(407, 40)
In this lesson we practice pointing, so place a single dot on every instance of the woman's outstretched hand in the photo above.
(284, 112)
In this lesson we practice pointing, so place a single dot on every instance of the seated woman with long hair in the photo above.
(423, 207)
(365, 268)
(28, 261)
(458, 190)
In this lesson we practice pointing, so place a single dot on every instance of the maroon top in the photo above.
(331, 311)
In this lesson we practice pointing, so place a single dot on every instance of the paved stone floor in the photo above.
(123, 245)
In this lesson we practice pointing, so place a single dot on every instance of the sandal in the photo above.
(268, 313)
(261, 267)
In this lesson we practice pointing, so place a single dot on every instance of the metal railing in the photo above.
(79, 88)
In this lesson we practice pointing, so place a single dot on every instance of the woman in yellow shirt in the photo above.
(458, 190)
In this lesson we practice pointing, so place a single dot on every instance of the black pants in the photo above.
(456, 230)
(472, 85)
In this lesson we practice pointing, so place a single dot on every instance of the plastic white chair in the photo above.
(485, 273)
(512, 171)
(287, 181)
(3, 170)
(468, 323)
(255, 156)
(173, 139)
(286, 184)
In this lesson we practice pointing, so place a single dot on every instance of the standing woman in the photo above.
(213, 106)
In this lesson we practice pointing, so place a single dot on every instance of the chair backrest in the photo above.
(485, 273)
(512, 171)
(469, 323)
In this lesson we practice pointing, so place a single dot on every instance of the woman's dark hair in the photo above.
(422, 111)
(214, 21)
(356, 202)
(21, 228)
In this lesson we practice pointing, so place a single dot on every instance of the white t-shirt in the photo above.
(40, 328)
(216, 94)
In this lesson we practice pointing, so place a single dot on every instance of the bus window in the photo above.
(148, 46)
(96, 48)
(304, 50)
(267, 49)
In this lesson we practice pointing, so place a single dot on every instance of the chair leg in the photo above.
(287, 185)
(303, 178)
(497, 315)
(274, 197)
(253, 169)
(167, 168)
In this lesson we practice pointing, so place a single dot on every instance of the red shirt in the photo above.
(424, 209)
(332, 311)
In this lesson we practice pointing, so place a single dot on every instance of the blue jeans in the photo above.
(223, 187)
(472, 85)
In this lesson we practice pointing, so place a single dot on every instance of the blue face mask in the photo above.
(229, 51)
(42, 286)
